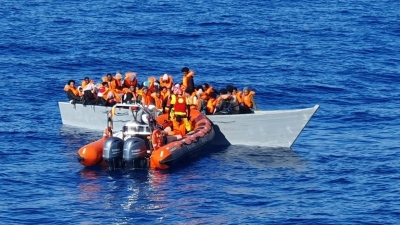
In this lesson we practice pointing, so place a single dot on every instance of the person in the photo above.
(166, 81)
(73, 93)
(211, 104)
(178, 129)
(119, 82)
(165, 94)
(89, 94)
(248, 101)
(192, 99)
(158, 100)
(227, 103)
(130, 95)
(85, 82)
(145, 96)
(181, 107)
(130, 79)
(188, 78)
(238, 95)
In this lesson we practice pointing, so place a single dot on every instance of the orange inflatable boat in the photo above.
(143, 143)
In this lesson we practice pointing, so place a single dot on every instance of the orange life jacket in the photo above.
(193, 101)
(179, 128)
(146, 98)
(157, 100)
(74, 90)
(185, 78)
(247, 99)
(239, 97)
(128, 82)
(116, 96)
(211, 104)
(166, 83)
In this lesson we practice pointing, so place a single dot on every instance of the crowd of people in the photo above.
(165, 94)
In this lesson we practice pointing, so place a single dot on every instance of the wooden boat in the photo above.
(142, 142)
(277, 128)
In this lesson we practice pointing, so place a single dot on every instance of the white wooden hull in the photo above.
(278, 128)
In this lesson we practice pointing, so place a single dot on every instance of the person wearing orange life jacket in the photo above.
(178, 129)
(181, 107)
(248, 101)
(227, 103)
(73, 94)
(119, 82)
(110, 96)
(130, 79)
(165, 94)
(158, 100)
(238, 95)
(188, 78)
(192, 99)
(211, 104)
(166, 81)
(145, 96)
(85, 82)
(130, 95)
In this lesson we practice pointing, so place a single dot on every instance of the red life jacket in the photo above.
(180, 104)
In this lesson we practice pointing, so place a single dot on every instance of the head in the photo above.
(188, 92)
(246, 91)
(86, 79)
(109, 77)
(105, 84)
(145, 89)
(178, 118)
(205, 86)
(118, 76)
(158, 93)
(164, 89)
(213, 95)
(229, 89)
(234, 91)
(71, 83)
(185, 70)
(132, 88)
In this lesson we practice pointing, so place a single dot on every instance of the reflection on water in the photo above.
(262, 157)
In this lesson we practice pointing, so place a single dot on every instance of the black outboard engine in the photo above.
(135, 153)
(112, 152)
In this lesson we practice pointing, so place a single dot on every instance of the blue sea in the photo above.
(343, 55)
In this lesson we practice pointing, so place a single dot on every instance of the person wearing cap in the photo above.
(119, 82)
(166, 81)
(188, 78)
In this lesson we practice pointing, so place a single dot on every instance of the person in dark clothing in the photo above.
(73, 94)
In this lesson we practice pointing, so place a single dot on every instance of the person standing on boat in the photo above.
(73, 93)
(188, 78)
(248, 101)
(180, 105)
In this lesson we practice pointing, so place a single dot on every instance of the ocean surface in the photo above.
(343, 55)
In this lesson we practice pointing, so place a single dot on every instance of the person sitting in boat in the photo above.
(227, 103)
(177, 131)
(73, 93)
(165, 95)
(130, 95)
(248, 101)
(111, 97)
(144, 96)
(130, 79)
(238, 95)
(181, 107)
(157, 100)
(85, 82)
(89, 94)
(211, 104)
(191, 98)
(166, 81)
(119, 82)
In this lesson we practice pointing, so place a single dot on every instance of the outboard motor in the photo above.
(135, 153)
(112, 152)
